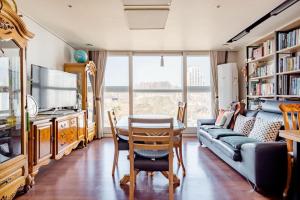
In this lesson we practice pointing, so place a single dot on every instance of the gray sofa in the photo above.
(263, 164)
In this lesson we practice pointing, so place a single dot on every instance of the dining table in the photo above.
(123, 131)
(294, 135)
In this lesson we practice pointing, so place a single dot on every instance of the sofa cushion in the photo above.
(229, 151)
(265, 130)
(237, 141)
(244, 124)
(222, 132)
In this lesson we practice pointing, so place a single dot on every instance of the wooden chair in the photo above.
(178, 141)
(291, 117)
(151, 149)
(120, 144)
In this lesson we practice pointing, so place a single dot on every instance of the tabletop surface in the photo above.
(122, 124)
(290, 135)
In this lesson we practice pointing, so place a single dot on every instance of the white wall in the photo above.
(46, 49)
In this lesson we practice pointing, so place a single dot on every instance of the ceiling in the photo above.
(191, 24)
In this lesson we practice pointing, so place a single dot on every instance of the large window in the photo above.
(198, 89)
(157, 89)
(116, 90)
(151, 84)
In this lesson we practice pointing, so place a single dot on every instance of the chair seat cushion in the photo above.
(237, 141)
(151, 153)
(123, 144)
(123, 137)
(218, 133)
(147, 164)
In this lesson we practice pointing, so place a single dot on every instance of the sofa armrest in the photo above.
(266, 164)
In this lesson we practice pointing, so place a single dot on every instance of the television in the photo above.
(53, 89)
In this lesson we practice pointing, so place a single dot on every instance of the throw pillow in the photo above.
(221, 119)
(229, 115)
(264, 130)
(243, 124)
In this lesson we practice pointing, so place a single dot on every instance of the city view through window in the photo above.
(157, 89)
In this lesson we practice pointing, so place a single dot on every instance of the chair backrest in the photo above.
(291, 119)
(150, 134)
(181, 111)
(113, 122)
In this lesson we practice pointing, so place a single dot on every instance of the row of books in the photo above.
(294, 85)
(288, 39)
(283, 85)
(264, 70)
(289, 63)
(257, 52)
(262, 89)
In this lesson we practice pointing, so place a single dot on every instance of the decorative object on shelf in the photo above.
(32, 106)
(80, 56)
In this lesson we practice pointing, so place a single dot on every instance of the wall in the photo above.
(241, 60)
(46, 49)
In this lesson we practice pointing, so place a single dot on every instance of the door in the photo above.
(43, 142)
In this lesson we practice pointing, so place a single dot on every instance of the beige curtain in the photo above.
(99, 58)
(216, 58)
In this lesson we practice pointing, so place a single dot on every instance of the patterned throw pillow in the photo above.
(264, 130)
(244, 124)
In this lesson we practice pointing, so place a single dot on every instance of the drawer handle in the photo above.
(6, 181)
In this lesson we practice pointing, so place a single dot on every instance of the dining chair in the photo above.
(291, 118)
(151, 149)
(178, 139)
(120, 144)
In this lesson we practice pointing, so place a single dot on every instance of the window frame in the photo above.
(184, 90)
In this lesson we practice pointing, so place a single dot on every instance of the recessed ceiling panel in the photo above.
(146, 2)
(146, 18)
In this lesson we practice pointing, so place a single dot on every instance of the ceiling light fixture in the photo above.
(89, 45)
(70, 6)
(285, 5)
(274, 12)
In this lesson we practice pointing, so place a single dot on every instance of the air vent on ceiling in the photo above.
(146, 18)
(146, 2)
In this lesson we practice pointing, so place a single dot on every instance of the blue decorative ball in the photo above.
(80, 56)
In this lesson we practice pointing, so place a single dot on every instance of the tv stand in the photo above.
(53, 136)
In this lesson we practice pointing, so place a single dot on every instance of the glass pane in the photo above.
(10, 101)
(116, 93)
(198, 83)
(156, 103)
(90, 99)
(149, 74)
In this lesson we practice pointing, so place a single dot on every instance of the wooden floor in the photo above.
(86, 175)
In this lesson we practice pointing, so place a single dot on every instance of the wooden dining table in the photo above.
(122, 128)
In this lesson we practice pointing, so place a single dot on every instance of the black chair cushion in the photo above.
(237, 141)
(123, 144)
(147, 164)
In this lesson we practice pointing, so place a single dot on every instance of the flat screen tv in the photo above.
(53, 88)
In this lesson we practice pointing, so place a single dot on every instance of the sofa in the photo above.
(264, 164)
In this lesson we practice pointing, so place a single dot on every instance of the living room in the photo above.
(149, 99)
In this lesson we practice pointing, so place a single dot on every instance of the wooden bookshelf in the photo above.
(261, 77)
(292, 49)
(281, 81)
(263, 59)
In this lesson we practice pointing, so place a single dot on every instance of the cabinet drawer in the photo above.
(73, 122)
(66, 135)
(8, 179)
(9, 190)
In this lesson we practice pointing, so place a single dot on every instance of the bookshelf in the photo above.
(273, 66)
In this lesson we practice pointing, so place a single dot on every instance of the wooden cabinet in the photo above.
(13, 138)
(52, 137)
(86, 91)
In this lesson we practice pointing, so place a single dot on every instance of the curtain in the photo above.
(99, 58)
(216, 58)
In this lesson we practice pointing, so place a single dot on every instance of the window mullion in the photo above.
(184, 81)
(130, 83)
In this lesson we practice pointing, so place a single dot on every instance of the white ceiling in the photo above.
(191, 24)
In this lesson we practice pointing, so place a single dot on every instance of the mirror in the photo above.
(90, 98)
(10, 101)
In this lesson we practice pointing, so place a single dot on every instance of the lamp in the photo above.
(162, 61)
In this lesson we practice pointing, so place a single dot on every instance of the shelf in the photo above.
(288, 96)
(288, 72)
(260, 96)
(292, 49)
(262, 59)
(261, 77)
